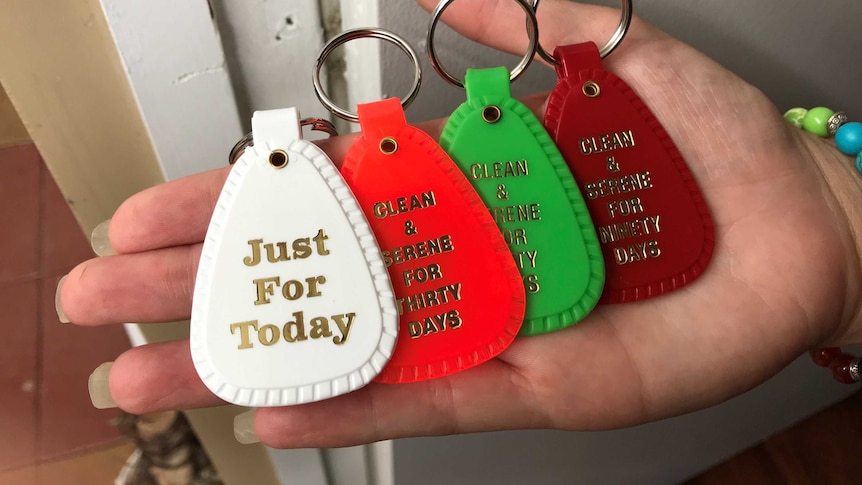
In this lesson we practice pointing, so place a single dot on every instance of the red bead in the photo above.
(841, 368)
(824, 356)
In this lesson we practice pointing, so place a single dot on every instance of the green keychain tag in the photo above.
(521, 177)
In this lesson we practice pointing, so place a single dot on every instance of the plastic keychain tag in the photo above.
(292, 302)
(530, 193)
(458, 291)
(653, 224)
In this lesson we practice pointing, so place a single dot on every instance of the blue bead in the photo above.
(848, 139)
(859, 163)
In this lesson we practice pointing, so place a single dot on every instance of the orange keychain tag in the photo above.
(458, 291)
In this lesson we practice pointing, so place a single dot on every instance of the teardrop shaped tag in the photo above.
(511, 161)
(292, 302)
(458, 291)
(653, 224)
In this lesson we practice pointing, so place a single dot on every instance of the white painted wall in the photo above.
(271, 46)
(362, 57)
(172, 53)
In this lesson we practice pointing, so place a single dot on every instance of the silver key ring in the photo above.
(363, 33)
(613, 43)
(316, 124)
(532, 33)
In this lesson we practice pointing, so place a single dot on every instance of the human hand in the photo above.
(785, 276)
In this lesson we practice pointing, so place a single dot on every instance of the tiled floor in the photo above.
(99, 467)
(45, 411)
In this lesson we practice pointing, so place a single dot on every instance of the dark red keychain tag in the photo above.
(653, 224)
(457, 289)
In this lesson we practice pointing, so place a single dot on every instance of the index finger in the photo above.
(177, 213)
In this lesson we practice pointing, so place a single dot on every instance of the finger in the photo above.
(155, 286)
(561, 22)
(158, 377)
(476, 400)
(166, 215)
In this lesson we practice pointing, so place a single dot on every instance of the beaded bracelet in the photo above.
(824, 122)
(844, 366)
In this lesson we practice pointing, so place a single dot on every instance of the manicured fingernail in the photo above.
(57, 304)
(99, 240)
(243, 428)
(100, 393)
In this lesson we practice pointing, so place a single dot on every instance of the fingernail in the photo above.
(100, 393)
(99, 240)
(243, 428)
(57, 304)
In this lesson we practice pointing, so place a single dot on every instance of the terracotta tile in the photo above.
(12, 131)
(96, 468)
(69, 422)
(19, 212)
(18, 380)
(21, 476)
(63, 244)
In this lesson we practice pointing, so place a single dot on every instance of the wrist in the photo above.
(841, 186)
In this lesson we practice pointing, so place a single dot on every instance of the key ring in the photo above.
(363, 33)
(316, 124)
(532, 33)
(613, 43)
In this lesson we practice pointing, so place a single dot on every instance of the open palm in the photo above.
(785, 275)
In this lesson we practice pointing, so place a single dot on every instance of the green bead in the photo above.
(817, 121)
(795, 116)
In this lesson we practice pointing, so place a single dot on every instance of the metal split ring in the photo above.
(613, 43)
(316, 124)
(532, 33)
(363, 33)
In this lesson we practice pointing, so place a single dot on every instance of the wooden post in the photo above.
(63, 74)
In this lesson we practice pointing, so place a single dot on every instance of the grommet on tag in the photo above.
(388, 145)
(316, 124)
(491, 114)
(591, 89)
(278, 158)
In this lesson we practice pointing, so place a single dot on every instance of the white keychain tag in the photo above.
(292, 301)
